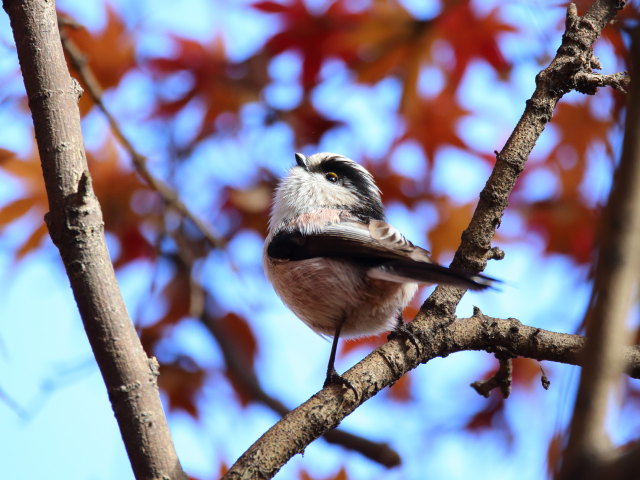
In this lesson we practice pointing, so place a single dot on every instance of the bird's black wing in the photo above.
(373, 242)
(378, 246)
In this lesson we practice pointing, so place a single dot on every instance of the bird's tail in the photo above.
(403, 271)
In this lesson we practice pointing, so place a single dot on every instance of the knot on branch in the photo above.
(76, 88)
(121, 395)
(543, 108)
(495, 253)
(501, 379)
(154, 370)
(574, 63)
(441, 311)
(80, 216)
(404, 332)
(571, 17)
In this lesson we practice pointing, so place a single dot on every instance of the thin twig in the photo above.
(82, 67)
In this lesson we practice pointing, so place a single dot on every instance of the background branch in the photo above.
(76, 227)
(433, 324)
(168, 195)
(379, 452)
(615, 283)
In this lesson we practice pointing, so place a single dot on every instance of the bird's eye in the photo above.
(332, 177)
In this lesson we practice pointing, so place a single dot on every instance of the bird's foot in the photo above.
(334, 378)
(402, 332)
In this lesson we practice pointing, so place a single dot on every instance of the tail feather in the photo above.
(402, 271)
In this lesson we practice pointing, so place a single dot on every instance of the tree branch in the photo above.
(615, 283)
(434, 325)
(328, 407)
(589, 82)
(377, 451)
(76, 227)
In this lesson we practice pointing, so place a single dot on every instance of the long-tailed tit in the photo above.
(334, 260)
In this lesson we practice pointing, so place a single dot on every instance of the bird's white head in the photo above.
(326, 180)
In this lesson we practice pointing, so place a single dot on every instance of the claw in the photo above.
(402, 331)
(334, 378)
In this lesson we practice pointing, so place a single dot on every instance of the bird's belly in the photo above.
(324, 292)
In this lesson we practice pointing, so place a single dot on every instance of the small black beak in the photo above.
(301, 160)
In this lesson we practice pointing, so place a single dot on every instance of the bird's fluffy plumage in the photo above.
(333, 259)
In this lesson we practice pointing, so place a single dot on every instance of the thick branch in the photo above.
(433, 325)
(615, 284)
(76, 227)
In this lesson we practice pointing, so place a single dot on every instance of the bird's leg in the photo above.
(399, 321)
(333, 378)
(401, 331)
(332, 375)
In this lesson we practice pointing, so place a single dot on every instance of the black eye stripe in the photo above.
(359, 182)
(343, 169)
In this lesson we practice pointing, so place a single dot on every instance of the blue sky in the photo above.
(56, 419)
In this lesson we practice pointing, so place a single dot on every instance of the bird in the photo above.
(334, 260)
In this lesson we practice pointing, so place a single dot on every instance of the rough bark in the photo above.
(76, 227)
